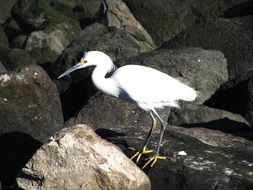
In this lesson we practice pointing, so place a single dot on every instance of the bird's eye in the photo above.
(83, 61)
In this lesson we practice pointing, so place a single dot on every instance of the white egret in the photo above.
(147, 88)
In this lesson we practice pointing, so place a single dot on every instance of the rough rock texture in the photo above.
(34, 15)
(12, 29)
(236, 99)
(14, 59)
(51, 41)
(245, 22)
(118, 15)
(2, 69)
(4, 44)
(192, 115)
(27, 99)
(204, 70)
(225, 166)
(222, 35)
(5, 10)
(83, 11)
(18, 42)
(86, 162)
(49, 31)
(202, 122)
(163, 19)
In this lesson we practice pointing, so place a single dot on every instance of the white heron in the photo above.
(147, 88)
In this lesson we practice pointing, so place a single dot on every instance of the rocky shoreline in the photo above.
(47, 126)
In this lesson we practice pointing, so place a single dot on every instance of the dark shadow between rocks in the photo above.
(75, 97)
(113, 137)
(227, 126)
(242, 9)
(16, 149)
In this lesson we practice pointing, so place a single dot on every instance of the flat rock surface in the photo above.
(204, 166)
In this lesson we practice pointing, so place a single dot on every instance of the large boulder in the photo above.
(103, 111)
(193, 116)
(49, 31)
(14, 59)
(164, 19)
(117, 14)
(85, 12)
(5, 10)
(29, 103)
(238, 99)
(34, 15)
(47, 45)
(223, 159)
(77, 158)
(220, 34)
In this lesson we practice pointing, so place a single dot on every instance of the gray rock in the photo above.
(18, 41)
(84, 11)
(164, 19)
(236, 99)
(244, 22)
(220, 34)
(14, 59)
(12, 29)
(29, 103)
(2, 69)
(204, 70)
(199, 121)
(51, 41)
(34, 15)
(102, 111)
(76, 158)
(4, 43)
(204, 167)
(194, 116)
(5, 10)
(117, 14)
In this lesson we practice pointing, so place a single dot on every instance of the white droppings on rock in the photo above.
(20, 76)
(250, 164)
(201, 165)
(5, 77)
(182, 153)
(228, 171)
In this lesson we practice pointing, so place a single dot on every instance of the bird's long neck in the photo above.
(106, 85)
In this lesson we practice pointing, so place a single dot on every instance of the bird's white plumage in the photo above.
(150, 88)
(146, 87)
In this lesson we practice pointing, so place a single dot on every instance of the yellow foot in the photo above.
(152, 160)
(138, 154)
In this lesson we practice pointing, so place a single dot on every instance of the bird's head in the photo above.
(91, 58)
